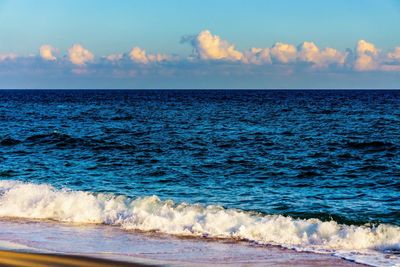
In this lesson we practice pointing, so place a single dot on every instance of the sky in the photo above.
(199, 44)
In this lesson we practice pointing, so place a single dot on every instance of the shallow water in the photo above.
(327, 155)
(111, 243)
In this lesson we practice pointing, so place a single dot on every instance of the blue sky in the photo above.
(157, 26)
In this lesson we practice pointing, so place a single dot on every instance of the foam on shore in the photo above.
(42, 201)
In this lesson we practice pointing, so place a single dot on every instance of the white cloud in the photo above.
(212, 47)
(46, 52)
(332, 56)
(78, 55)
(310, 52)
(139, 55)
(283, 53)
(366, 56)
(209, 47)
(257, 56)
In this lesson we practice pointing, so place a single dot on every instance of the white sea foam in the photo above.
(27, 200)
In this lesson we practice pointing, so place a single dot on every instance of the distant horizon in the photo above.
(235, 44)
(200, 89)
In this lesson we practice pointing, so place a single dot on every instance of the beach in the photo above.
(10, 258)
(27, 242)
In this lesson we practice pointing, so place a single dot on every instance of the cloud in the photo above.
(395, 55)
(46, 52)
(8, 56)
(212, 58)
(366, 56)
(211, 47)
(140, 56)
(78, 55)
(391, 61)
(115, 57)
(311, 53)
(207, 46)
(390, 68)
(331, 56)
(283, 53)
(257, 56)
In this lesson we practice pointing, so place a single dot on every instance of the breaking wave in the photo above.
(42, 201)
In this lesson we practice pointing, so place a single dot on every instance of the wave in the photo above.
(42, 201)
(9, 141)
(373, 146)
(63, 141)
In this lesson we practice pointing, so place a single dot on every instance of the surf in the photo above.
(150, 213)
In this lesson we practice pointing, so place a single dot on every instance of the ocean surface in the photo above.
(310, 170)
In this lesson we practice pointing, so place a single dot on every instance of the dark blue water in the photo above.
(308, 154)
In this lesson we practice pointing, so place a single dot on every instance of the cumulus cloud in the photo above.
(257, 56)
(211, 47)
(222, 57)
(207, 46)
(332, 56)
(140, 56)
(366, 56)
(311, 53)
(46, 52)
(78, 55)
(283, 53)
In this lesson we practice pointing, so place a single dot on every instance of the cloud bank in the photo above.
(365, 57)
(211, 56)
(8, 56)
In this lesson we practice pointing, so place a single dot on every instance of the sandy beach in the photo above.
(9, 258)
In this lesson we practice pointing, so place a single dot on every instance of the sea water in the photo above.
(309, 170)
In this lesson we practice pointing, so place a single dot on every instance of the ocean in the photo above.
(307, 170)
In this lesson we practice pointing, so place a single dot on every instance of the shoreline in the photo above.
(31, 259)
(21, 240)
(103, 244)
(32, 244)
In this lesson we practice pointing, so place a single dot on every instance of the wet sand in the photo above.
(8, 258)
(42, 243)
(23, 259)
